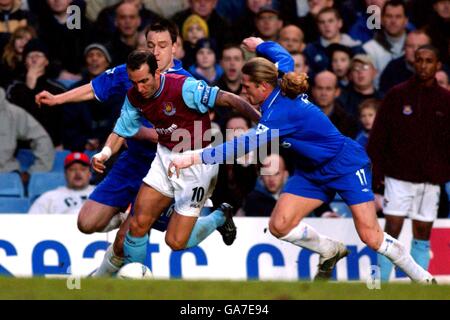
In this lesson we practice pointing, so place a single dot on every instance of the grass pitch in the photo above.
(99, 289)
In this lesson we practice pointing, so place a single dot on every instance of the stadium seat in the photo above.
(341, 208)
(14, 205)
(11, 185)
(41, 182)
(26, 158)
(58, 164)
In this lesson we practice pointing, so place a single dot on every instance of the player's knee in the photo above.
(278, 228)
(84, 225)
(139, 226)
(174, 243)
(372, 239)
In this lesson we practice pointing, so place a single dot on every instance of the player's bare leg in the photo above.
(179, 231)
(95, 217)
(149, 205)
(286, 224)
(366, 223)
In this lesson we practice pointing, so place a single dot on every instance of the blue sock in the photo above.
(420, 251)
(204, 227)
(385, 267)
(135, 248)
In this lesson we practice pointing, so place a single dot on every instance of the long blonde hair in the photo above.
(262, 70)
(10, 56)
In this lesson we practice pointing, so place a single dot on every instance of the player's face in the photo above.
(144, 82)
(367, 118)
(426, 64)
(77, 176)
(253, 91)
(161, 45)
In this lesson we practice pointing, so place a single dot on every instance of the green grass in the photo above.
(40, 288)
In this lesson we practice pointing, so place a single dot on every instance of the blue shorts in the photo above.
(121, 186)
(122, 183)
(354, 188)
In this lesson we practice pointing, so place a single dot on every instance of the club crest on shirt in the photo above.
(407, 110)
(169, 109)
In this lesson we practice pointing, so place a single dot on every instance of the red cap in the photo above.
(76, 157)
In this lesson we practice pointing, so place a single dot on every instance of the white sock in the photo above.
(110, 264)
(396, 252)
(115, 222)
(305, 236)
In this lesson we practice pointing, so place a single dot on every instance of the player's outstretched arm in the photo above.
(112, 146)
(230, 100)
(83, 93)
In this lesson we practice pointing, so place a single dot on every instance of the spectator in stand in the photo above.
(442, 79)
(70, 198)
(410, 149)
(18, 125)
(439, 28)
(389, 42)
(308, 23)
(65, 44)
(126, 37)
(105, 24)
(324, 93)
(12, 17)
(179, 50)
(88, 124)
(361, 87)
(292, 38)
(194, 29)
(367, 113)
(329, 22)
(12, 63)
(245, 25)
(401, 69)
(262, 199)
(219, 28)
(341, 58)
(300, 62)
(235, 181)
(268, 24)
(205, 67)
(35, 80)
(232, 62)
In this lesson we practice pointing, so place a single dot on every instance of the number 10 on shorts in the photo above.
(362, 177)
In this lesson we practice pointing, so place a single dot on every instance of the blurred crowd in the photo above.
(353, 53)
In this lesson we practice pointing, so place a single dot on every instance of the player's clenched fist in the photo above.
(251, 43)
(46, 98)
(98, 160)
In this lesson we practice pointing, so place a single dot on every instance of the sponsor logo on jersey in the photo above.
(261, 128)
(168, 109)
(407, 110)
(168, 131)
(286, 145)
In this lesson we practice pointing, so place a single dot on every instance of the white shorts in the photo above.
(190, 191)
(418, 201)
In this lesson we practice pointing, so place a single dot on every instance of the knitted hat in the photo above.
(35, 45)
(208, 44)
(190, 21)
(100, 47)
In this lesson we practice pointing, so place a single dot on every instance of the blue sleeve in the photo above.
(238, 147)
(111, 82)
(277, 54)
(129, 121)
(198, 95)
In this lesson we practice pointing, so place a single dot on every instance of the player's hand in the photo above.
(181, 161)
(46, 98)
(251, 43)
(98, 162)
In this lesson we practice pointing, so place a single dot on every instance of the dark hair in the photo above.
(164, 25)
(138, 57)
(329, 10)
(229, 46)
(394, 3)
(432, 49)
(236, 115)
